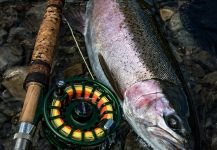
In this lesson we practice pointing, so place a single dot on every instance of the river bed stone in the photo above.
(10, 56)
(3, 35)
(13, 80)
(17, 35)
(210, 78)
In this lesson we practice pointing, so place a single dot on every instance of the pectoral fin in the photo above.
(109, 76)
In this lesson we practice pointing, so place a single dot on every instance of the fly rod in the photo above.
(38, 75)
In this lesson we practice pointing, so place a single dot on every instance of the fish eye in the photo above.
(173, 121)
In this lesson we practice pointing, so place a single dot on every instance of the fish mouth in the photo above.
(169, 140)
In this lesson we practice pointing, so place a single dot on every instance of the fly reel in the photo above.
(80, 112)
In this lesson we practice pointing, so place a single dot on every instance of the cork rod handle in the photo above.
(42, 58)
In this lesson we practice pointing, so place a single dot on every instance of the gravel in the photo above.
(18, 28)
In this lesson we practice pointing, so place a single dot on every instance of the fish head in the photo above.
(155, 119)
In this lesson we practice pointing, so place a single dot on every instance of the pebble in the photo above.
(197, 71)
(132, 142)
(3, 35)
(37, 135)
(17, 34)
(3, 118)
(206, 61)
(214, 143)
(185, 39)
(35, 13)
(175, 23)
(214, 138)
(178, 56)
(15, 105)
(197, 88)
(5, 95)
(199, 66)
(15, 119)
(1, 1)
(9, 145)
(74, 70)
(28, 46)
(166, 14)
(2, 146)
(13, 80)
(210, 78)
(6, 110)
(6, 130)
(10, 56)
(39, 140)
(69, 50)
(9, 17)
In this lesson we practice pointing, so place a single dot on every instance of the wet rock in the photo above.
(214, 139)
(2, 147)
(185, 39)
(208, 123)
(194, 69)
(197, 88)
(205, 60)
(9, 17)
(74, 70)
(202, 55)
(13, 80)
(210, 78)
(41, 144)
(36, 137)
(28, 46)
(6, 130)
(35, 13)
(3, 118)
(9, 144)
(197, 71)
(10, 56)
(178, 56)
(5, 95)
(3, 1)
(69, 50)
(214, 143)
(207, 96)
(15, 119)
(17, 34)
(6, 110)
(3, 35)
(132, 142)
(191, 50)
(39, 140)
(175, 23)
(15, 105)
(166, 13)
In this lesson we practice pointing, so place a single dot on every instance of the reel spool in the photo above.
(80, 112)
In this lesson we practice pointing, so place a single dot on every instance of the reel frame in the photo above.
(101, 124)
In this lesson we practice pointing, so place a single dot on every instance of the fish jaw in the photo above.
(145, 107)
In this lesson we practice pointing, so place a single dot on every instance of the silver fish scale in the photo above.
(127, 39)
(144, 32)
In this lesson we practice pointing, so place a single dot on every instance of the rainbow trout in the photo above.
(127, 53)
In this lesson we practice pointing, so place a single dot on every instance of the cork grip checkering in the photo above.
(47, 36)
(42, 58)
